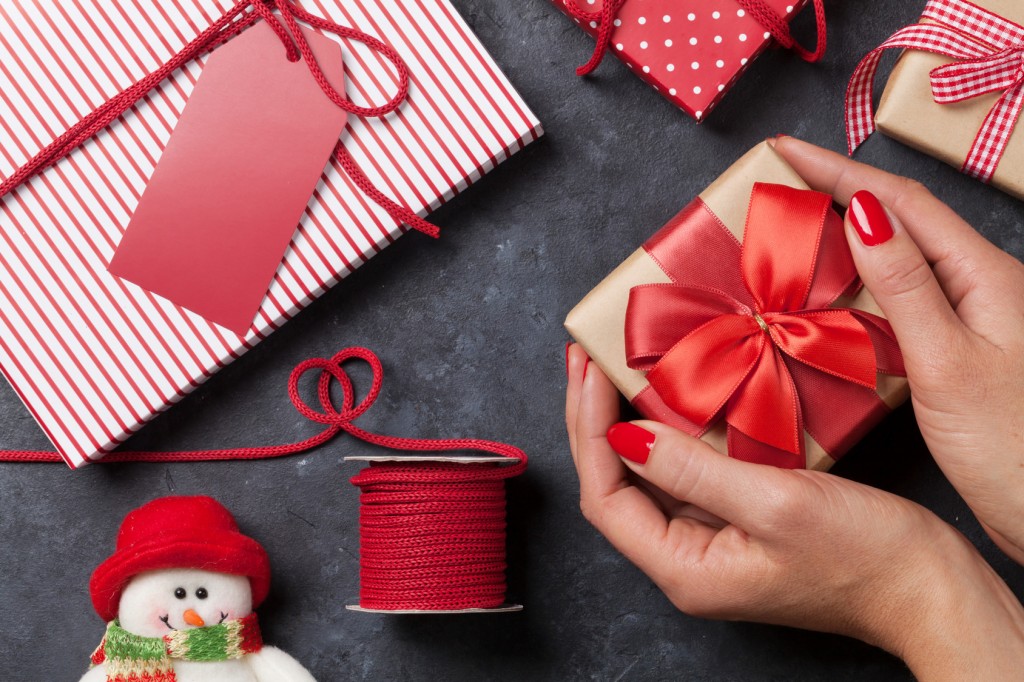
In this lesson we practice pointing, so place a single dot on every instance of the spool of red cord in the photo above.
(432, 534)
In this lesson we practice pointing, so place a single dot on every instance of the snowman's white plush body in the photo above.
(156, 602)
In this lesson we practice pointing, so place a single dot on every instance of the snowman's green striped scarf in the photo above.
(132, 658)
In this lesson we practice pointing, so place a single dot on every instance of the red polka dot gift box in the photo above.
(691, 51)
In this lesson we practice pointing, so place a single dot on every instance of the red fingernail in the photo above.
(567, 345)
(585, 366)
(631, 441)
(869, 219)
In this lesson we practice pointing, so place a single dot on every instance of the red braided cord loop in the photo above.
(230, 24)
(605, 18)
(758, 9)
(336, 420)
(779, 28)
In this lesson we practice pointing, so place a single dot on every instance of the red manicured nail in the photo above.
(869, 219)
(567, 345)
(585, 366)
(631, 441)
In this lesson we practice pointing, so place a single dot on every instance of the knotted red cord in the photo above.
(230, 24)
(759, 10)
(336, 421)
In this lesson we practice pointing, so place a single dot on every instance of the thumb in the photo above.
(692, 471)
(902, 282)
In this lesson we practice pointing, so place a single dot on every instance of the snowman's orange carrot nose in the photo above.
(193, 618)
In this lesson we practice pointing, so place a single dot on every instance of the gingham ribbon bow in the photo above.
(990, 58)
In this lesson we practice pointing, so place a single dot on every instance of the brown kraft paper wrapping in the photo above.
(597, 322)
(910, 114)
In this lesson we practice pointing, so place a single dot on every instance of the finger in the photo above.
(575, 367)
(626, 515)
(600, 470)
(953, 247)
(665, 549)
(672, 507)
(689, 469)
(896, 273)
(690, 511)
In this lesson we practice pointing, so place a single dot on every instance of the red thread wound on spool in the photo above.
(432, 535)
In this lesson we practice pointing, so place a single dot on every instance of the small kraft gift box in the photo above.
(94, 338)
(743, 322)
(956, 92)
(691, 51)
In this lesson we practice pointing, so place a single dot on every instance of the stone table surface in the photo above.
(469, 330)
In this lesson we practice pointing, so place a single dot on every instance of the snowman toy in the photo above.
(178, 595)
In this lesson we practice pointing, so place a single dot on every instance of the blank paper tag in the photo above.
(227, 195)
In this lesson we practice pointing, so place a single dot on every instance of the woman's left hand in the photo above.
(739, 541)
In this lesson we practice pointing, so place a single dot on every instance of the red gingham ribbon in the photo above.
(990, 58)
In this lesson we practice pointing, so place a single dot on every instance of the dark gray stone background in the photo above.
(469, 330)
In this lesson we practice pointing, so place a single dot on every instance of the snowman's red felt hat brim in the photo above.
(178, 532)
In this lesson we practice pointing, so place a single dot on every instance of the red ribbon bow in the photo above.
(748, 329)
(989, 54)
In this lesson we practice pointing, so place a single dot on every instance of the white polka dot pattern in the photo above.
(715, 37)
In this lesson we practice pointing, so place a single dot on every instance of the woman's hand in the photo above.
(727, 539)
(956, 303)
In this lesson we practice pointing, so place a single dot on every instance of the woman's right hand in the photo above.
(956, 303)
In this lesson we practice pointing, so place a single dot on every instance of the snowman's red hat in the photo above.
(178, 532)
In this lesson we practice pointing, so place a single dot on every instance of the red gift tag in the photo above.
(227, 195)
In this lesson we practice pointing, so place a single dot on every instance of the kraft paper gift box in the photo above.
(908, 111)
(597, 322)
(93, 356)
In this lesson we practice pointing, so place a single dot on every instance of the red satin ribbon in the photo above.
(748, 330)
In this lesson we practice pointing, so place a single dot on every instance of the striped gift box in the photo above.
(95, 357)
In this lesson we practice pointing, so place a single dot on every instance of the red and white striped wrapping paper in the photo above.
(95, 357)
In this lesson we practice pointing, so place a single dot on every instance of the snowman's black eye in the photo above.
(180, 593)
(201, 593)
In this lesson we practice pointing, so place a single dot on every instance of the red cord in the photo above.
(336, 421)
(432, 536)
(605, 18)
(230, 24)
(759, 10)
(779, 28)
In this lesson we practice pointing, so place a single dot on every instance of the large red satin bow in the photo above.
(750, 331)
